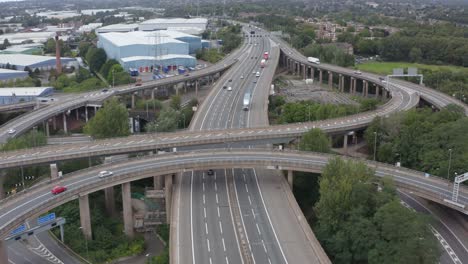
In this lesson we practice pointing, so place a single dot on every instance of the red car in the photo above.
(58, 189)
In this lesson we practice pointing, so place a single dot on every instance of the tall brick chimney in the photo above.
(58, 62)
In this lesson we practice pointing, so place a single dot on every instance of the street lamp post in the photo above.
(86, 243)
(375, 144)
(450, 163)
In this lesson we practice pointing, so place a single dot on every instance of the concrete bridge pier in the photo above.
(53, 171)
(290, 178)
(330, 79)
(158, 182)
(65, 129)
(127, 209)
(320, 76)
(3, 252)
(341, 83)
(46, 128)
(109, 197)
(86, 113)
(85, 217)
(168, 193)
(377, 91)
(304, 71)
(345, 143)
(365, 90)
(54, 123)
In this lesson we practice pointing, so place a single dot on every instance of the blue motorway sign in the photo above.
(18, 230)
(46, 218)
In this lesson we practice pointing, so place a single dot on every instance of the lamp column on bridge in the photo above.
(127, 209)
(85, 216)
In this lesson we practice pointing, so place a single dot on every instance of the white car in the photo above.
(258, 74)
(242, 77)
(104, 174)
(358, 72)
(229, 88)
(11, 131)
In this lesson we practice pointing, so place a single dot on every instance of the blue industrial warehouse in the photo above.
(6, 75)
(156, 48)
(16, 95)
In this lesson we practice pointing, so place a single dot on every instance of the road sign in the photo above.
(46, 218)
(398, 71)
(18, 230)
(412, 71)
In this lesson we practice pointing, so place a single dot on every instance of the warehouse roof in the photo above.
(162, 57)
(140, 38)
(21, 48)
(26, 60)
(20, 37)
(117, 28)
(188, 21)
(23, 91)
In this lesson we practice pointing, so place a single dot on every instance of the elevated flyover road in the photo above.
(432, 96)
(25, 122)
(38, 199)
(148, 142)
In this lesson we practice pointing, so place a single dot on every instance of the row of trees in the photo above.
(422, 140)
(303, 111)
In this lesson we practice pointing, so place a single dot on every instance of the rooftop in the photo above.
(188, 21)
(143, 37)
(20, 37)
(10, 71)
(26, 60)
(119, 27)
(21, 48)
(162, 57)
(23, 91)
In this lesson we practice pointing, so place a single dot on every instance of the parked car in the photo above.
(58, 189)
(104, 174)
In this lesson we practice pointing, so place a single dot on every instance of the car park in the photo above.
(58, 189)
(103, 174)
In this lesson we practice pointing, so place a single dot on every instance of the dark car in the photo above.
(210, 172)
(105, 90)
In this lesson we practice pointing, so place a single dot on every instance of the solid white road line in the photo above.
(191, 218)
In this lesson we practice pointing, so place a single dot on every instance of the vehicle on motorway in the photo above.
(58, 189)
(242, 76)
(257, 74)
(229, 88)
(104, 174)
(104, 90)
(230, 80)
(210, 172)
(358, 72)
(262, 63)
(11, 131)
(254, 81)
(266, 55)
(247, 96)
(252, 32)
(187, 74)
(224, 86)
(313, 60)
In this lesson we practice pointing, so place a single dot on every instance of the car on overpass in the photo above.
(58, 189)
(104, 174)
(11, 131)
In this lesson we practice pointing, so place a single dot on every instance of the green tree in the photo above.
(107, 66)
(405, 237)
(176, 102)
(167, 121)
(96, 57)
(315, 140)
(415, 55)
(109, 121)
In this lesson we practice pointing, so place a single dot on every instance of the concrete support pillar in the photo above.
(3, 252)
(340, 83)
(177, 89)
(377, 91)
(65, 129)
(77, 116)
(127, 209)
(86, 114)
(304, 71)
(309, 70)
(133, 101)
(53, 171)
(54, 123)
(290, 178)
(366, 88)
(110, 201)
(168, 189)
(46, 128)
(152, 94)
(354, 86)
(85, 216)
(320, 76)
(345, 143)
(312, 73)
(330, 79)
(158, 182)
(351, 85)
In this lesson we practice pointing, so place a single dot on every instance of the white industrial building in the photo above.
(20, 61)
(19, 38)
(24, 94)
(139, 49)
(187, 25)
(7, 75)
(89, 27)
(118, 28)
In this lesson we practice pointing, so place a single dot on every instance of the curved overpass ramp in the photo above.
(38, 199)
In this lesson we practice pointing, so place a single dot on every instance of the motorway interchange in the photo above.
(266, 228)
